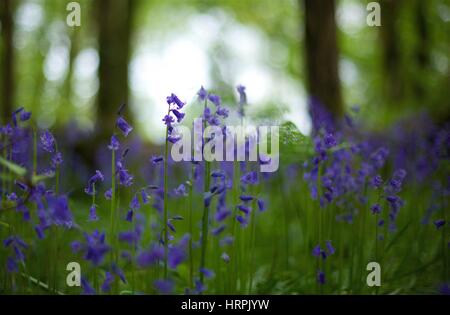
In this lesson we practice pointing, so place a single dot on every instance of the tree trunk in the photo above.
(422, 49)
(394, 85)
(114, 26)
(7, 91)
(322, 54)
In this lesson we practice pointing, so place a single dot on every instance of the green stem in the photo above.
(205, 219)
(191, 258)
(166, 239)
(113, 202)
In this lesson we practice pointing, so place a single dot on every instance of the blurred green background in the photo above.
(137, 52)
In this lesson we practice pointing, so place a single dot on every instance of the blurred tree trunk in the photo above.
(7, 58)
(322, 54)
(422, 48)
(394, 85)
(114, 34)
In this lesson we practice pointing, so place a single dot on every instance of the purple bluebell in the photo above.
(108, 194)
(150, 257)
(87, 288)
(59, 211)
(48, 141)
(216, 231)
(320, 277)
(93, 213)
(156, 159)
(261, 205)
(164, 286)
(246, 198)
(97, 177)
(244, 209)
(122, 124)
(57, 159)
(207, 272)
(215, 99)
(439, 223)
(173, 99)
(134, 204)
(376, 208)
(114, 144)
(129, 216)
(225, 257)
(144, 196)
(202, 93)
(180, 191)
(329, 141)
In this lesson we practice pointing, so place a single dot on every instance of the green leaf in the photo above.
(13, 167)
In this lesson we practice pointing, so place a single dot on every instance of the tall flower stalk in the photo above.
(205, 218)
(174, 105)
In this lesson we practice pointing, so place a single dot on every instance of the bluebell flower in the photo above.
(108, 194)
(439, 223)
(202, 93)
(329, 141)
(93, 213)
(376, 181)
(330, 248)
(145, 197)
(164, 286)
(222, 111)
(59, 211)
(134, 204)
(125, 179)
(244, 209)
(156, 159)
(222, 214)
(114, 144)
(24, 115)
(246, 198)
(261, 205)
(320, 277)
(109, 278)
(207, 272)
(48, 141)
(11, 265)
(215, 99)
(376, 209)
(173, 99)
(129, 216)
(57, 159)
(122, 124)
(178, 115)
(225, 257)
(218, 230)
(94, 248)
(87, 288)
(150, 257)
(98, 176)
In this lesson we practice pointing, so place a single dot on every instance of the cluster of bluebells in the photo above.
(174, 115)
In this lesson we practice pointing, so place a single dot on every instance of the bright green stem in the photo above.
(113, 202)
(34, 151)
(205, 219)
(166, 239)
(191, 258)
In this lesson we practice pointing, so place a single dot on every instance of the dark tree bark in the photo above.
(422, 48)
(393, 85)
(322, 54)
(114, 27)
(7, 58)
